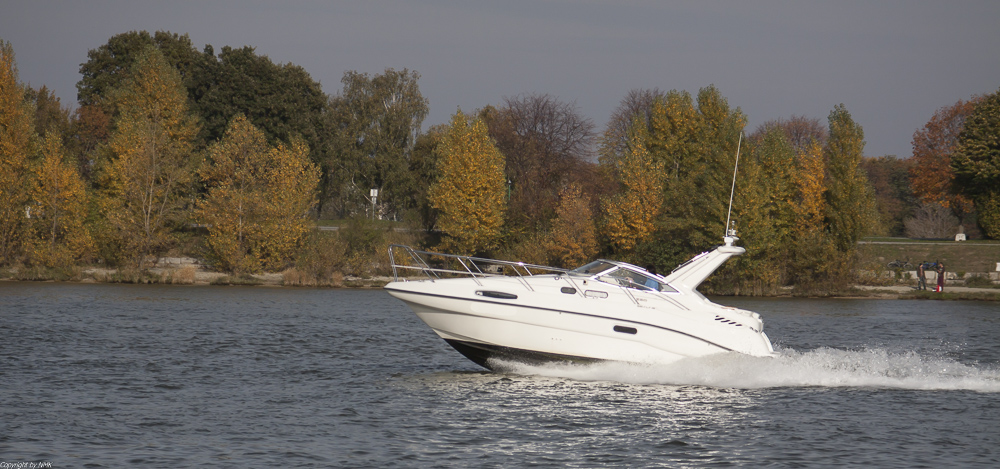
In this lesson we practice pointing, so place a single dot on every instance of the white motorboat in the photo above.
(496, 312)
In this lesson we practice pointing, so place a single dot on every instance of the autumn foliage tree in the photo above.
(144, 183)
(470, 191)
(59, 236)
(891, 181)
(630, 215)
(933, 146)
(573, 239)
(16, 148)
(976, 162)
(258, 199)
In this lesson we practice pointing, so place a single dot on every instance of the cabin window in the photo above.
(630, 279)
(592, 268)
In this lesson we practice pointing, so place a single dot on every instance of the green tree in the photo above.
(850, 199)
(470, 191)
(17, 144)
(697, 143)
(145, 182)
(376, 121)
(107, 68)
(258, 199)
(764, 207)
(282, 100)
(976, 162)
(423, 167)
(59, 236)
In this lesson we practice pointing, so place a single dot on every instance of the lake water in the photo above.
(169, 376)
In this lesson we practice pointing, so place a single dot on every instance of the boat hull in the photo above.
(533, 328)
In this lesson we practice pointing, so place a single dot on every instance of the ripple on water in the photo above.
(180, 376)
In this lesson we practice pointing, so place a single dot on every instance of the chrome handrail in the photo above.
(470, 264)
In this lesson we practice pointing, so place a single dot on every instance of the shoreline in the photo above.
(201, 277)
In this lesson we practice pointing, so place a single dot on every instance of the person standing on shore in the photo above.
(921, 277)
(940, 277)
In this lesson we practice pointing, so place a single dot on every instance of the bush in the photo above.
(978, 281)
(323, 255)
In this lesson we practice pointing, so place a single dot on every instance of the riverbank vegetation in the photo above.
(234, 160)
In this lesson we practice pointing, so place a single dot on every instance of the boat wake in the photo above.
(823, 367)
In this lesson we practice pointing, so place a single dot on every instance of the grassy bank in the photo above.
(969, 256)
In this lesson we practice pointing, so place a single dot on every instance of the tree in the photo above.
(257, 201)
(376, 121)
(50, 116)
(933, 147)
(90, 130)
(890, 179)
(850, 200)
(145, 182)
(764, 208)
(59, 236)
(810, 208)
(16, 147)
(697, 143)
(546, 143)
(976, 162)
(470, 192)
(800, 131)
(630, 215)
(423, 167)
(107, 67)
(614, 142)
(813, 260)
(573, 240)
(932, 220)
(281, 100)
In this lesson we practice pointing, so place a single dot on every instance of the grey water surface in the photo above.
(170, 376)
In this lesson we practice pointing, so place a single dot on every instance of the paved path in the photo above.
(910, 288)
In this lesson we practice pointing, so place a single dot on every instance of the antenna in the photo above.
(729, 232)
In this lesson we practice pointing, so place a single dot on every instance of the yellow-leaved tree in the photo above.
(258, 199)
(145, 182)
(469, 193)
(59, 236)
(813, 262)
(16, 146)
(630, 215)
(573, 240)
(811, 204)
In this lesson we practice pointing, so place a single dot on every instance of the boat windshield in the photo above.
(593, 268)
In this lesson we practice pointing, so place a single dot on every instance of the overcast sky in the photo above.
(892, 64)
